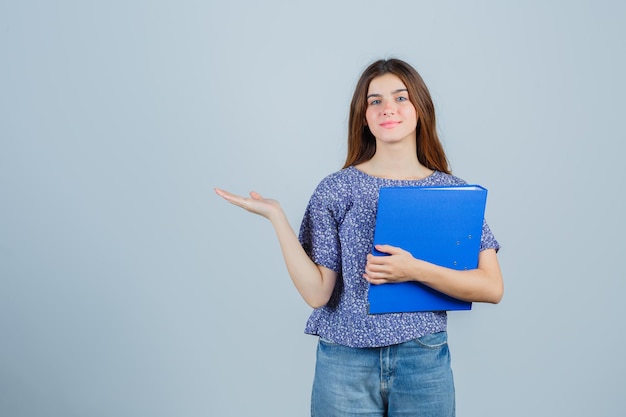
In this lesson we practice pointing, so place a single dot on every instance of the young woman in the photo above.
(386, 364)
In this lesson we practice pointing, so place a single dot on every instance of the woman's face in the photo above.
(390, 115)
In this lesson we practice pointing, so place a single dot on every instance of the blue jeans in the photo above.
(410, 379)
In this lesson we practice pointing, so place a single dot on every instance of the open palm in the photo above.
(265, 207)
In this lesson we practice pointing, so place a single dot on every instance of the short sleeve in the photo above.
(487, 239)
(319, 231)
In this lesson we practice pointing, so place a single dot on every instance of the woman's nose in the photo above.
(389, 108)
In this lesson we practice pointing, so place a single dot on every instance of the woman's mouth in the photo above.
(389, 124)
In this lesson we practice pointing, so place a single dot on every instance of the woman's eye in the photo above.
(374, 102)
(401, 98)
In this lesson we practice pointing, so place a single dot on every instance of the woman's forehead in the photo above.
(385, 83)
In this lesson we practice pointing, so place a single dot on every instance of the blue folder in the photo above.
(441, 225)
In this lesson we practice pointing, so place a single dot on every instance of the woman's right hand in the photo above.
(256, 204)
(314, 282)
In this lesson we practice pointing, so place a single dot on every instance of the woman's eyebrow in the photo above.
(399, 90)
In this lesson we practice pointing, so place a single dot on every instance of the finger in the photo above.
(232, 198)
(377, 260)
(377, 271)
(374, 280)
(255, 195)
(225, 194)
(392, 250)
(220, 192)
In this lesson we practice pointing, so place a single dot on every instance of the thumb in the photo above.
(392, 250)
(255, 195)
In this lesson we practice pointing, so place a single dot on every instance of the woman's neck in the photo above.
(395, 165)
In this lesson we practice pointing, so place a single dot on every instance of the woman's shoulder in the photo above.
(441, 178)
(338, 189)
(339, 180)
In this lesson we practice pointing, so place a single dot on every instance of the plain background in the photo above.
(127, 288)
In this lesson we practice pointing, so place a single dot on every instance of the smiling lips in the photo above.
(389, 124)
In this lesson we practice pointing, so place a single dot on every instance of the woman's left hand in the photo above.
(396, 267)
(482, 284)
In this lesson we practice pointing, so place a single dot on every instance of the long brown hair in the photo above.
(361, 142)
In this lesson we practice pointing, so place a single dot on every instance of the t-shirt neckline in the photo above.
(392, 180)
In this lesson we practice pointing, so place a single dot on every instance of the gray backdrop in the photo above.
(127, 288)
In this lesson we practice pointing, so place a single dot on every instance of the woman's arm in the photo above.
(315, 283)
(483, 284)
